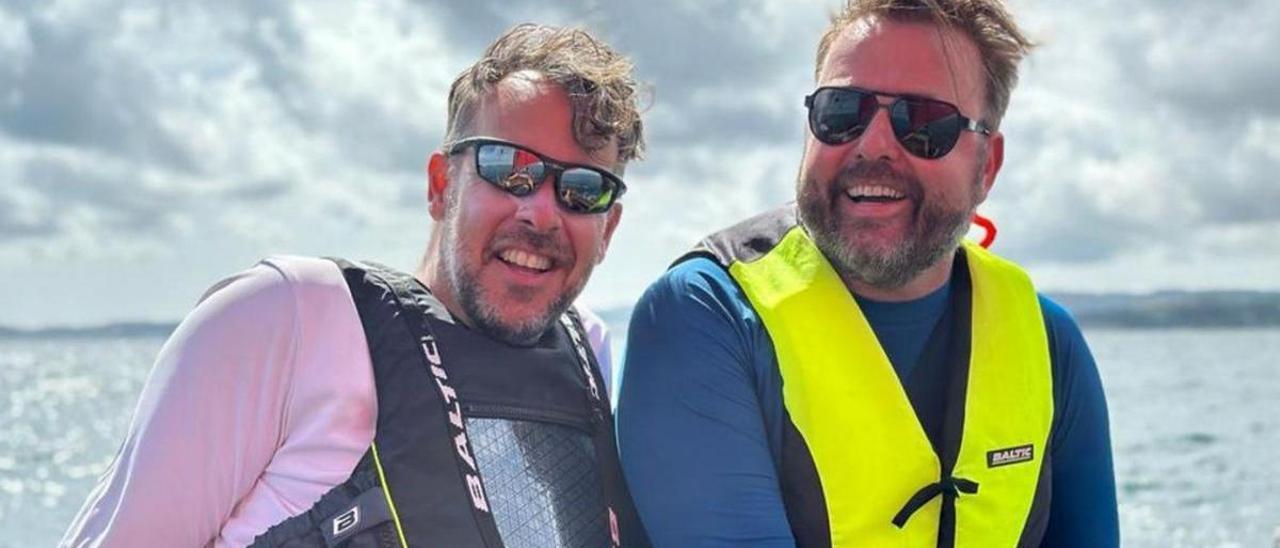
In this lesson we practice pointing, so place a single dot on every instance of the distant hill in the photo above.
(1165, 309)
(1174, 309)
(115, 330)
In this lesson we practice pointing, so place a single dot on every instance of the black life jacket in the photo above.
(478, 443)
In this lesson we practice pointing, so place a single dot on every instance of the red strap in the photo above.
(988, 226)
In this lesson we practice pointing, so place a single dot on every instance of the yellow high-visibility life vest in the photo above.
(868, 449)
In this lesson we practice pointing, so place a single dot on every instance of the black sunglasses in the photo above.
(927, 128)
(519, 171)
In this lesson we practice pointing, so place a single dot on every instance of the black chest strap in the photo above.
(947, 356)
(407, 461)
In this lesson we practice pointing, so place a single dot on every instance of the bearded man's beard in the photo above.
(934, 231)
(483, 308)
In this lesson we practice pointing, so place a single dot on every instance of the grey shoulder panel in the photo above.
(748, 240)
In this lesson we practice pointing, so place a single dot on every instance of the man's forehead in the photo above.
(532, 110)
(906, 57)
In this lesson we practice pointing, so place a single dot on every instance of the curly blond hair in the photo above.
(1001, 43)
(598, 80)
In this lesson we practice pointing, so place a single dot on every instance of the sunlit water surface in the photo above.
(1195, 423)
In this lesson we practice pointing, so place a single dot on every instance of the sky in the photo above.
(149, 148)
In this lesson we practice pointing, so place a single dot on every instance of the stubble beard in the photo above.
(478, 305)
(934, 232)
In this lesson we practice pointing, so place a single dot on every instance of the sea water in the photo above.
(1195, 418)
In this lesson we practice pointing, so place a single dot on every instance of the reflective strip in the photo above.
(584, 363)
(612, 492)
(386, 490)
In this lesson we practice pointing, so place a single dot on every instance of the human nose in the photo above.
(878, 141)
(538, 209)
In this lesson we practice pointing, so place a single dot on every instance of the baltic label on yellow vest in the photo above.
(1012, 455)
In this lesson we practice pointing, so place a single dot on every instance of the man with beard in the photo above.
(847, 372)
(314, 402)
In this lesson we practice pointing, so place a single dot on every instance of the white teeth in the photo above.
(876, 191)
(525, 259)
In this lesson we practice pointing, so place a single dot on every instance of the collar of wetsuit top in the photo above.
(924, 309)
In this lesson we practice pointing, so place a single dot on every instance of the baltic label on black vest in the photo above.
(367, 510)
(450, 397)
(346, 520)
(1012, 455)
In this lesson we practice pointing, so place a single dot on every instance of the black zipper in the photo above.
(499, 411)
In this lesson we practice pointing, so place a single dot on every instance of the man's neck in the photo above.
(430, 272)
(923, 284)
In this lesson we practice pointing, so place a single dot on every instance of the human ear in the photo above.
(437, 184)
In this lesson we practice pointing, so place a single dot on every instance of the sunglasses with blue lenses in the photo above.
(519, 171)
(927, 128)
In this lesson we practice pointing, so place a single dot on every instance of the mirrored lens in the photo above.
(519, 171)
(514, 170)
(840, 115)
(928, 129)
(584, 190)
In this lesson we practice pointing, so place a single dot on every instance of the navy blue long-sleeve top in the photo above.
(700, 414)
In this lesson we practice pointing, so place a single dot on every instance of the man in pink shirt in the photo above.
(318, 402)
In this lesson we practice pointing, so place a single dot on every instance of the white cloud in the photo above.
(15, 43)
(185, 138)
(1111, 155)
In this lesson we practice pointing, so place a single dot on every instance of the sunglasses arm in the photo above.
(977, 127)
